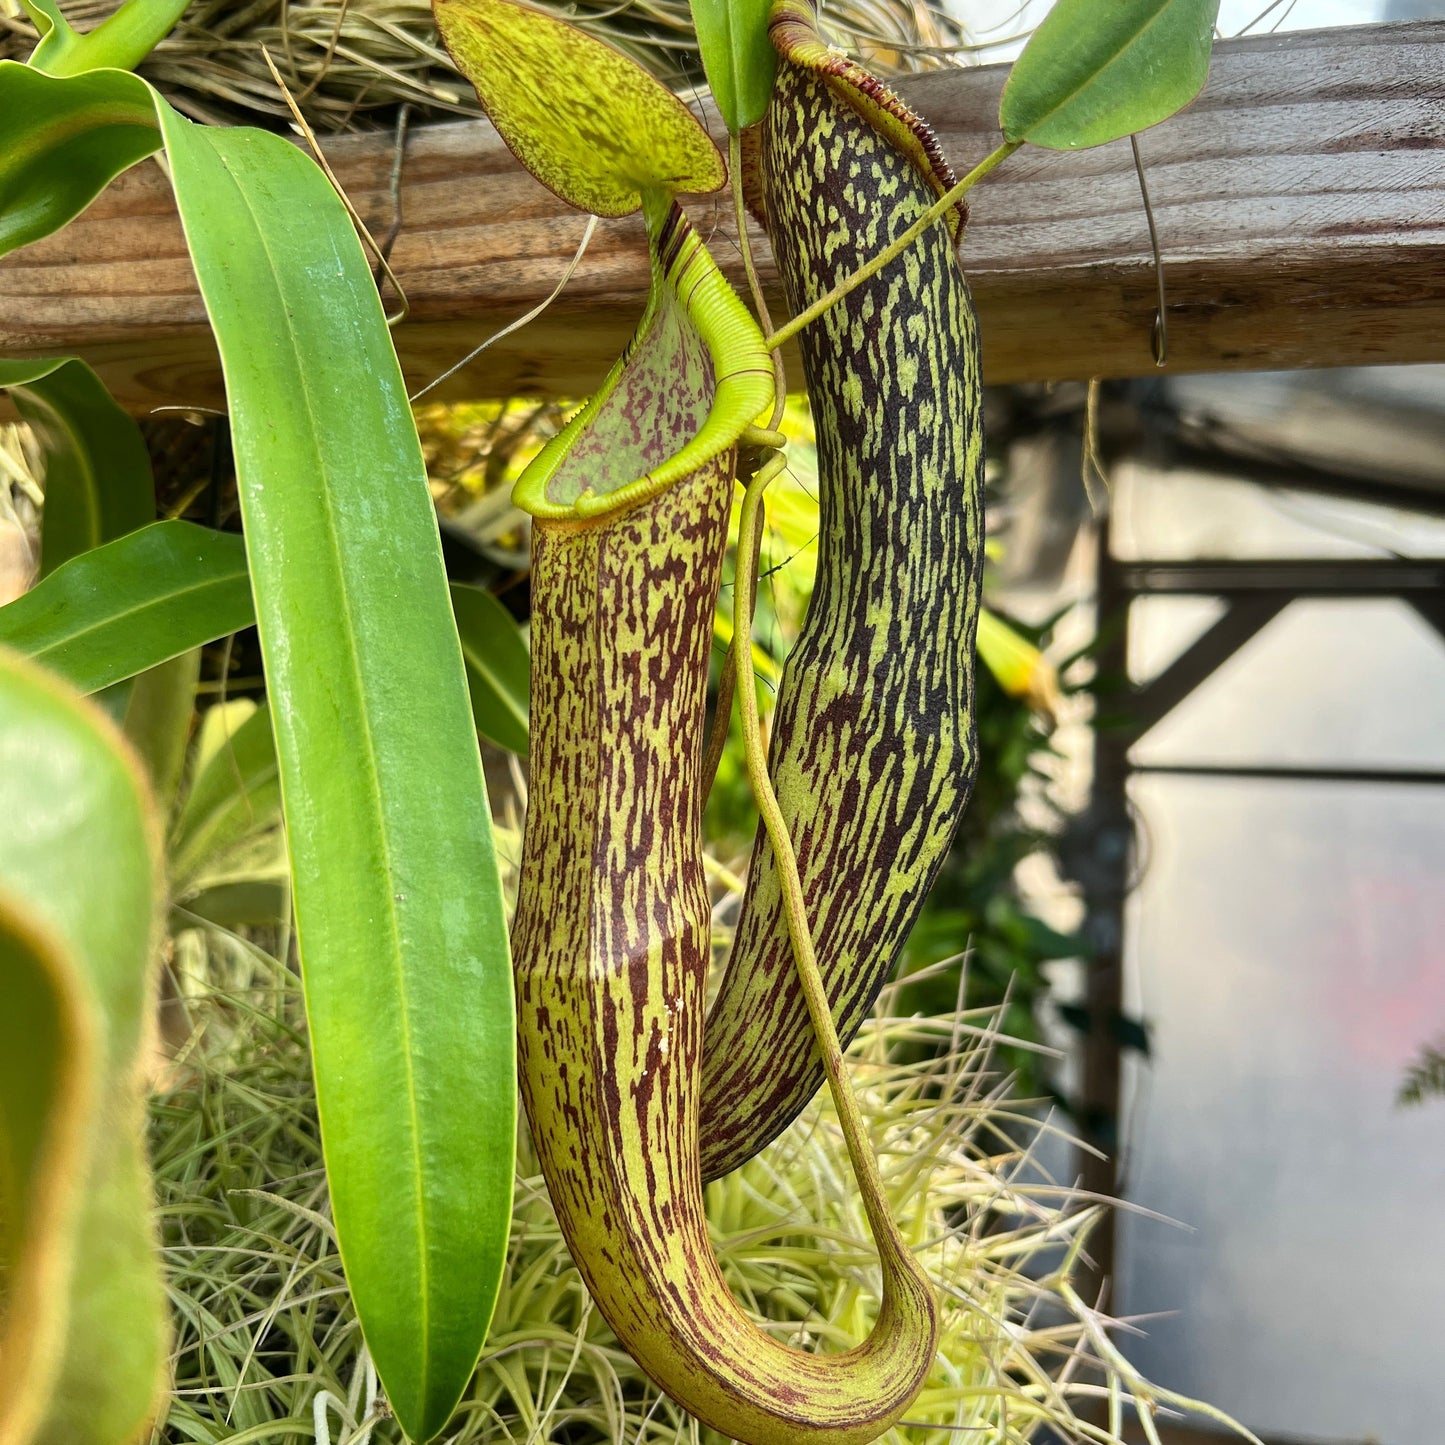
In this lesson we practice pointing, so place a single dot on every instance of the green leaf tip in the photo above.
(66, 139)
(1095, 72)
(586, 120)
(693, 378)
(740, 62)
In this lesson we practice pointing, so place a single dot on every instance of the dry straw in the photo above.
(267, 1347)
(351, 63)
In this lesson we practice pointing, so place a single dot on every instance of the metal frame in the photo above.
(1254, 593)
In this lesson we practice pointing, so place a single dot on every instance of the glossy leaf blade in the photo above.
(738, 57)
(398, 904)
(499, 668)
(47, 1063)
(585, 119)
(98, 481)
(116, 610)
(1094, 72)
(65, 141)
(80, 849)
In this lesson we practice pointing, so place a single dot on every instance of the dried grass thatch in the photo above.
(352, 63)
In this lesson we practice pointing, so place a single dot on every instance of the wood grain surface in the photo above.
(1300, 204)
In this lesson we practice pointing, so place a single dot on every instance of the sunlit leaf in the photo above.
(1017, 665)
(1095, 70)
(584, 118)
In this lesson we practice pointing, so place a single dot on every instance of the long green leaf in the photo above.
(98, 482)
(398, 903)
(65, 141)
(738, 57)
(47, 1064)
(499, 668)
(80, 850)
(119, 609)
(1093, 71)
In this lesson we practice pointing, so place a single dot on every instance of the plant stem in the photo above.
(727, 680)
(865, 1164)
(745, 245)
(894, 248)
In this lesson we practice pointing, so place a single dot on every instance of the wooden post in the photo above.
(1300, 201)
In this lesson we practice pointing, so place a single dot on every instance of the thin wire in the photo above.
(1264, 15)
(1093, 469)
(1159, 333)
(521, 321)
(398, 158)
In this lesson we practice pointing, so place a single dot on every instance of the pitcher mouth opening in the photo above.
(693, 378)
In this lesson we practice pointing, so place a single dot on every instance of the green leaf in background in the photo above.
(157, 722)
(1096, 70)
(1016, 663)
(47, 1083)
(585, 119)
(738, 56)
(236, 791)
(80, 851)
(248, 903)
(156, 593)
(119, 609)
(98, 481)
(65, 141)
(499, 668)
(120, 41)
(398, 903)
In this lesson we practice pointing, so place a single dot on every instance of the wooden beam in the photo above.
(1300, 202)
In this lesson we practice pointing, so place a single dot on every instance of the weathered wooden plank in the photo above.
(1300, 202)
